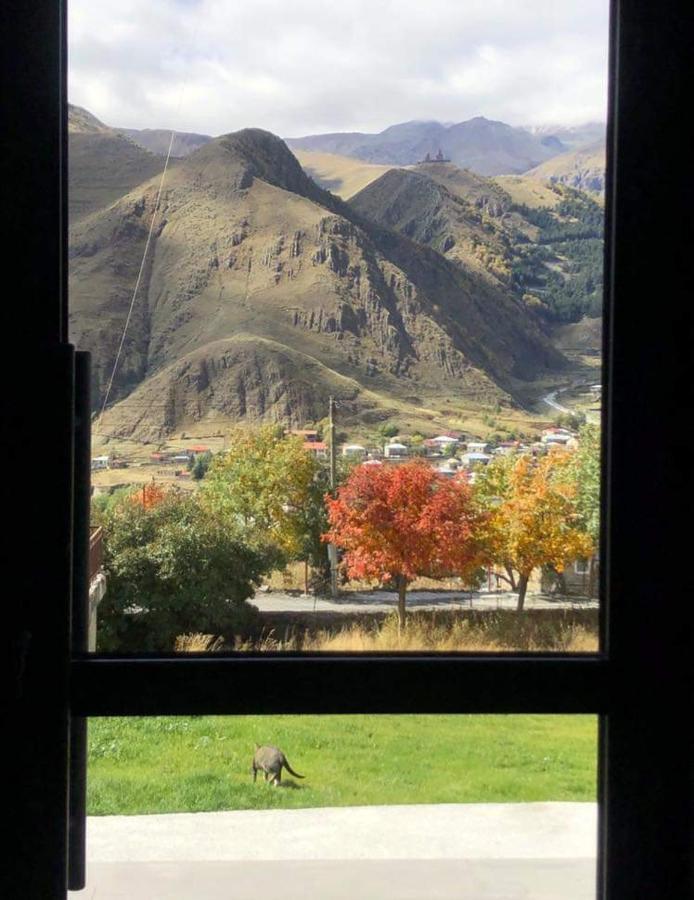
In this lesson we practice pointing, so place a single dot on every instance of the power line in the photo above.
(139, 274)
(149, 234)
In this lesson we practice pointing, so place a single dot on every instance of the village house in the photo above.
(477, 447)
(395, 451)
(318, 448)
(197, 448)
(100, 462)
(556, 436)
(580, 578)
(308, 435)
(470, 460)
(431, 448)
(445, 441)
(354, 451)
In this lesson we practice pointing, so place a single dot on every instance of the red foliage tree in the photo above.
(396, 523)
(149, 495)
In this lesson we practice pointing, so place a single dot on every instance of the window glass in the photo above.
(366, 806)
(340, 272)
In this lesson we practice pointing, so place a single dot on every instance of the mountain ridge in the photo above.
(248, 243)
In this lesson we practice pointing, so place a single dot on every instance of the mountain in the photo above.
(545, 248)
(572, 137)
(485, 146)
(583, 168)
(103, 165)
(263, 293)
(157, 140)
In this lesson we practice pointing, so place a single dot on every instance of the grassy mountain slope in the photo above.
(304, 294)
(583, 168)
(341, 175)
(103, 165)
(157, 140)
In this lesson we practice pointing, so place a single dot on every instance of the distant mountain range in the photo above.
(482, 145)
(479, 144)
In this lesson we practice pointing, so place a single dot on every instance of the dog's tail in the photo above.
(289, 769)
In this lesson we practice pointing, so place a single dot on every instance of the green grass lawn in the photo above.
(195, 764)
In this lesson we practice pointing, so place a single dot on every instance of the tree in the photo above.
(268, 488)
(397, 523)
(388, 431)
(533, 514)
(201, 463)
(586, 469)
(172, 568)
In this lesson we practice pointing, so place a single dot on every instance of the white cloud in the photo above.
(310, 66)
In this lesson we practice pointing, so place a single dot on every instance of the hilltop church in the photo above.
(439, 158)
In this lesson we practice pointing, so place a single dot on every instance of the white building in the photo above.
(353, 450)
(395, 450)
(100, 462)
(556, 436)
(475, 459)
(477, 447)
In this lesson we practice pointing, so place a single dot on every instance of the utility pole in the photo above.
(332, 549)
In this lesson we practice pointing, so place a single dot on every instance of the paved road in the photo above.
(383, 601)
(543, 851)
(551, 401)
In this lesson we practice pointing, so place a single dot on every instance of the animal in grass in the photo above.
(270, 760)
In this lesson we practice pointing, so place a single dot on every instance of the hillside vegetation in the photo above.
(547, 250)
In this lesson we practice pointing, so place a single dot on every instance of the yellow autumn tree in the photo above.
(270, 490)
(534, 518)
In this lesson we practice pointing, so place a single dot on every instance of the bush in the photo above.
(173, 569)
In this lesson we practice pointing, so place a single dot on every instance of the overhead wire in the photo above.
(150, 232)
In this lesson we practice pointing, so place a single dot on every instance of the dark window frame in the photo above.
(646, 782)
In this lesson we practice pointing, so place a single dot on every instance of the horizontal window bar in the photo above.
(358, 684)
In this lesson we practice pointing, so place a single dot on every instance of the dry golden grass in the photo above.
(198, 643)
(342, 175)
(496, 632)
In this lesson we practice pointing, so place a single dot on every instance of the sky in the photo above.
(297, 67)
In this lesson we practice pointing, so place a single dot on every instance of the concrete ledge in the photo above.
(528, 879)
(446, 831)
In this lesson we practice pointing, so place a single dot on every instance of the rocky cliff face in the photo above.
(262, 293)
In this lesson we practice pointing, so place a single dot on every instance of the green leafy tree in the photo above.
(388, 431)
(201, 464)
(268, 488)
(171, 568)
(586, 461)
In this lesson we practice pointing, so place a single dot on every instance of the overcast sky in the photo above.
(300, 67)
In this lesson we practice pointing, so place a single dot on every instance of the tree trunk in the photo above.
(402, 591)
(522, 589)
(306, 577)
(511, 578)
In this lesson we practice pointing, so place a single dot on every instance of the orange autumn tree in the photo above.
(534, 518)
(396, 523)
(149, 495)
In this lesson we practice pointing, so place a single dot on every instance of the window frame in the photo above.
(645, 767)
